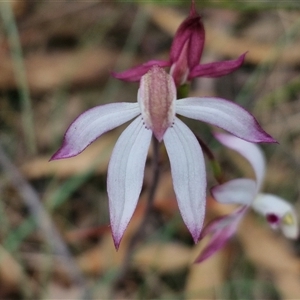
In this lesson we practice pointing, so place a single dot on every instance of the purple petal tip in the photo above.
(61, 153)
(266, 138)
(117, 241)
(56, 156)
(196, 236)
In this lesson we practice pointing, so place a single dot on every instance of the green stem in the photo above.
(20, 73)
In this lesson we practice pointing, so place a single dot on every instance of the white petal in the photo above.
(250, 151)
(266, 204)
(125, 175)
(224, 114)
(236, 191)
(188, 173)
(93, 123)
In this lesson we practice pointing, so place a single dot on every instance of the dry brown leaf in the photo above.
(203, 279)
(268, 252)
(162, 257)
(104, 256)
(11, 273)
(165, 199)
(19, 7)
(39, 262)
(55, 291)
(221, 42)
(288, 124)
(97, 153)
(272, 253)
(49, 71)
(100, 258)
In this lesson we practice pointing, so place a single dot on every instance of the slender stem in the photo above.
(155, 178)
(217, 171)
(139, 234)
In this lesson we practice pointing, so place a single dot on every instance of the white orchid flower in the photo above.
(278, 212)
(155, 114)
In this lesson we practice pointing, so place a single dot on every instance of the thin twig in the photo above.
(43, 220)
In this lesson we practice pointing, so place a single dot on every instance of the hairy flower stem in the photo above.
(183, 91)
(139, 234)
(216, 168)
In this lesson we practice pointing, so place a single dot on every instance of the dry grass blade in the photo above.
(162, 257)
(50, 71)
(41, 167)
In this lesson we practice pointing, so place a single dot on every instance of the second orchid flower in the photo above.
(278, 212)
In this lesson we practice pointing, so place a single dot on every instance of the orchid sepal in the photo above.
(227, 115)
(217, 69)
(91, 124)
(188, 174)
(135, 73)
(221, 230)
(125, 175)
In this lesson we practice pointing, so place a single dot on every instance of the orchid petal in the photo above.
(250, 151)
(221, 230)
(267, 204)
(196, 42)
(135, 74)
(188, 173)
(190, 31)
(125, 175)
(224, 114)
(217, 69)
(236, 191)
(92, 124)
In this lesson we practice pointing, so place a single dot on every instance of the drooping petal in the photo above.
(92, 124)
(221, 230)
(250, 151)
(270, 205)
(217, 69)
(236, 191)
(188, 173)
(135, 74)
(224, 114)
(125, 175)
